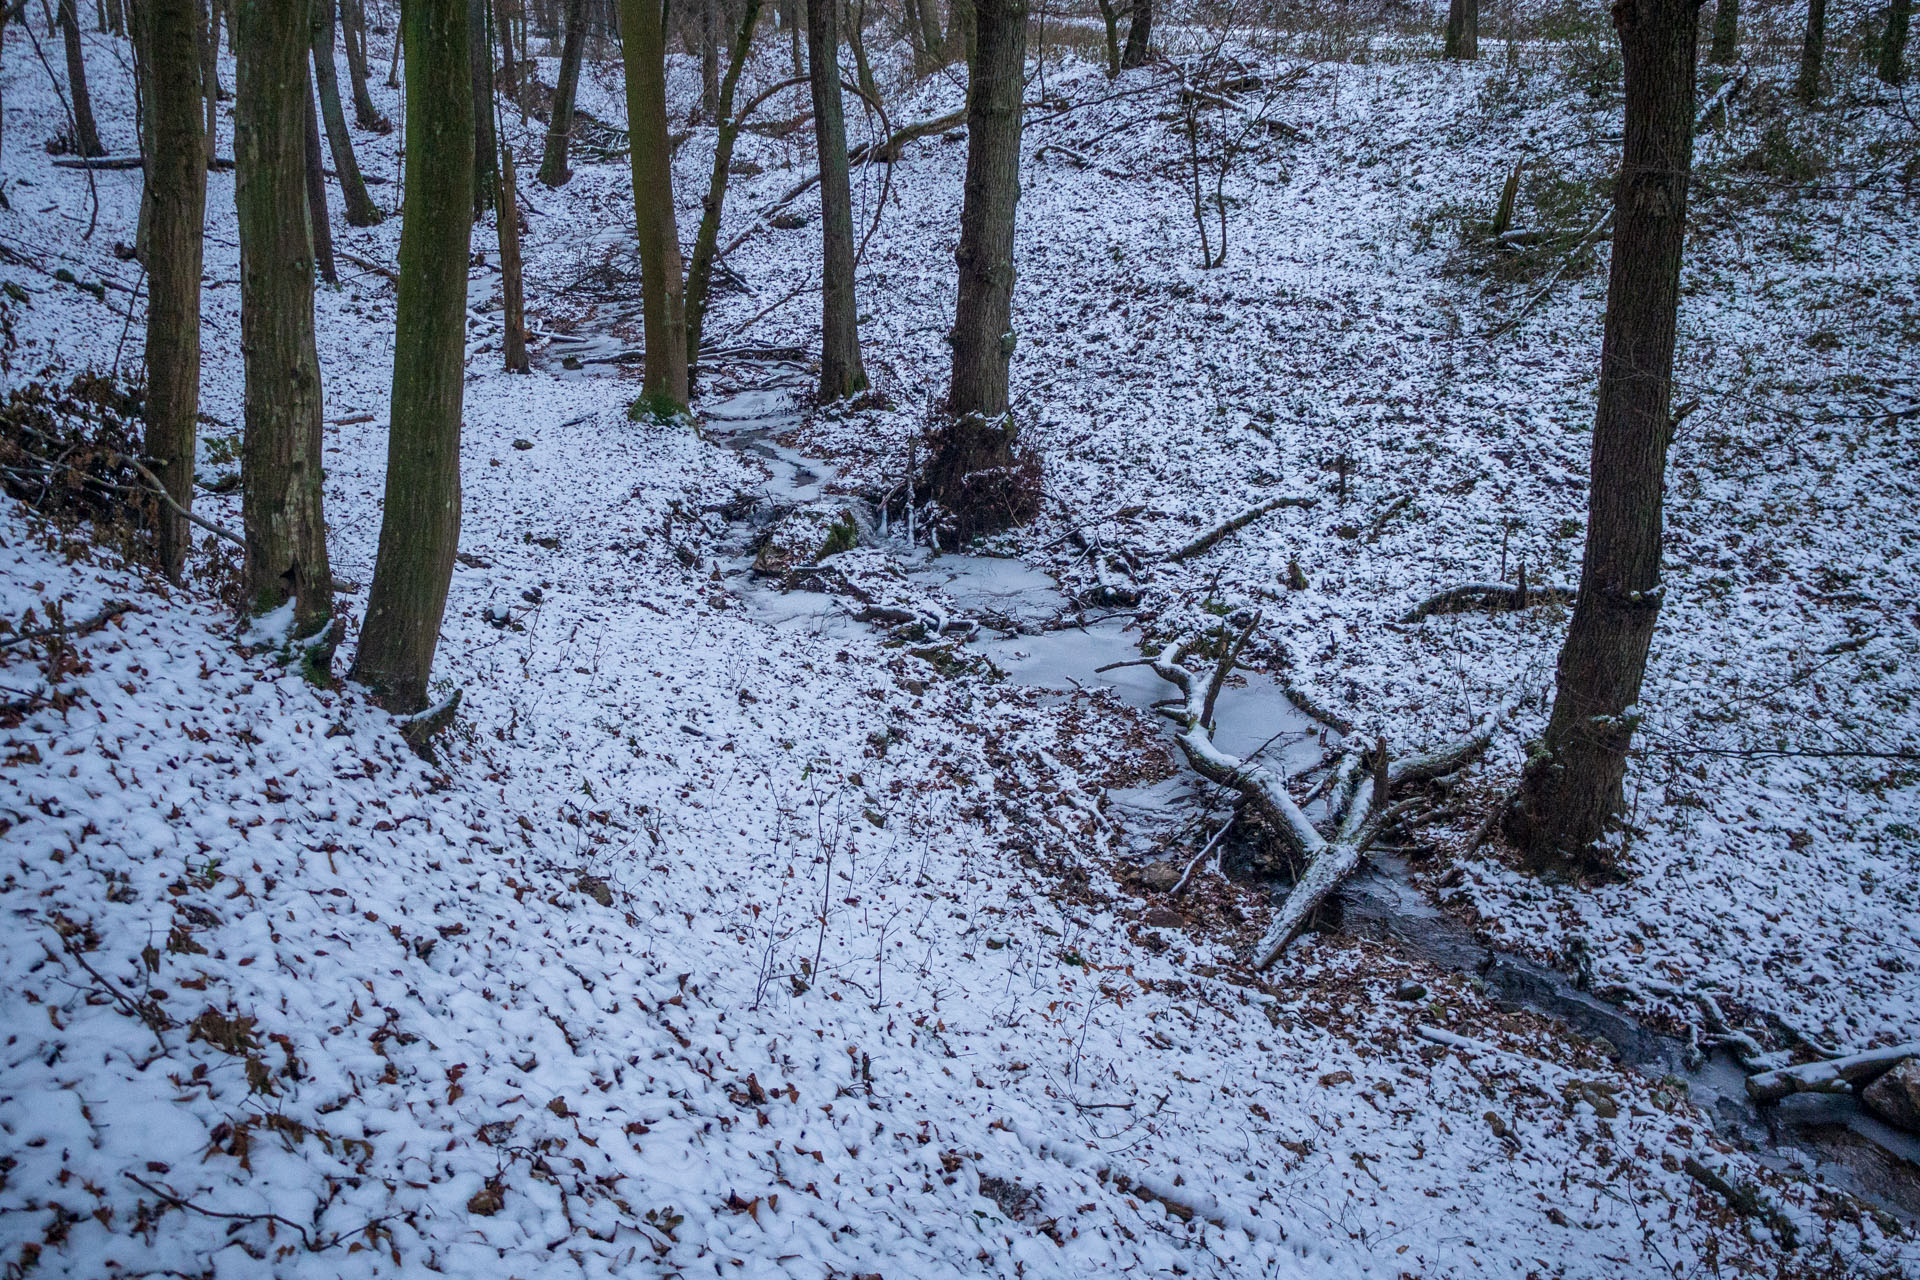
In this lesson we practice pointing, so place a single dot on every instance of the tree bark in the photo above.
(1813, 51)
(1573, 784)
(855, 13)
(393, 60)
(509, 68)
(930, 38)
(962, 31)
(513, 302)
(353, 24)
(86, 136)
(177, 179)
(1111, 17)
(360, 209)
(841, 374)
(710, 59)
(1139, 36)
(662, 300)
(210, 79)
(319, 225)
(281, 501)
(1893, 46)
(707, 237)
(553, 164)
(1726, 33)
(420, 527)
(1463, 30)
(983, 319)
(486, 174)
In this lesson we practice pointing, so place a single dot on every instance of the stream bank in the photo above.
(1017, 618)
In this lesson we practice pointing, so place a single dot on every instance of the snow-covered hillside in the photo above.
(727, 935)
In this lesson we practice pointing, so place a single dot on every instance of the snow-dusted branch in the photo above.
(1359, 804)
(1241, 521)
(1490, 596)
(1834, 1075)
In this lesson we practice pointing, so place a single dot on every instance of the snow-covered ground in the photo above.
(725, 936)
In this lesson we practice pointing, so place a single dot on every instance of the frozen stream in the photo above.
(1824, 1134)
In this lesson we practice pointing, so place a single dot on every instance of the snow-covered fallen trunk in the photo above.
(1359, 807)
(1831, 1075)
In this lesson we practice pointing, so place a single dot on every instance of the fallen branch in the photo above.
(1206, 540)
(1201, 856)
(98, 162)
(1359, 805)
(111, 610)
(1486, 596)
(1834, 1075)
(368, 264)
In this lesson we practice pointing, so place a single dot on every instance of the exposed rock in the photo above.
(1160, 875)
(1895, 1096)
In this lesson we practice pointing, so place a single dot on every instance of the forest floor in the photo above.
(729, 939)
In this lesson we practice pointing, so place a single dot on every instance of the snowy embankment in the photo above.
(713, 942)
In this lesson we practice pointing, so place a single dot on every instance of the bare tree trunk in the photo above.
(1111, 17)
(509, 68)
(177, 178)
(962, 27)
(710, 59)
(281, 501)
(1573, 785)
(790, 14)
(361, 211)
(553, 165)
(1726, 33)
(86, 136)
(420, 527)
(393, 61)
(210, 79)
(983, 319)
(320, 226)
(513, 343)
(855, 13)
(353, 24)
(841, 374)
(1139, 36)
(1813, 51)
(930, 39)
(486, 149)
(1893, 46)
(979, 444)
(707, 238)
(643, 38)
(1463, 30)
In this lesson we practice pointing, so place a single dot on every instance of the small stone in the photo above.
(1160, 875)
(1409, 992)
(1164, 918)
(1332, 1078)
(597, 889)
(523, 445)
(1895, 1096)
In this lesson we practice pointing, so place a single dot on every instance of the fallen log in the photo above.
(1831, 1075)
(1206, 540)
(1487, 596)
(1359, 804)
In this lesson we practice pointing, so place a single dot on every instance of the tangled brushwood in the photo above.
(980, 479)
(70, 452)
